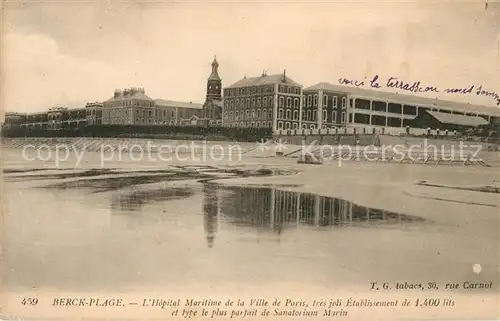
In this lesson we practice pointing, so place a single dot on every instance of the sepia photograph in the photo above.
(250, 160)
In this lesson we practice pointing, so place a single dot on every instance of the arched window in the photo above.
(315, 101)
(296, 103)
(231, 115)
(280, 125)
(325, 115)
(269, 124)
(236, 115)
(264, 102)
(287, 125)
(295, 125)
(282, 102)
(252, 124)
(289, 102)
(309, 100)
(312, 126)
(308, 115)
(343, 117)
(344, 101)
(288, 114)
(315, 115)
(253, 102)
(253, 114)
(304, 126)
(264, 115)
(334, 101)
(295, 114)
(258, 102)
(247, 114)
(334, 117)
(270, 113)
(258, 113)
(280, 113)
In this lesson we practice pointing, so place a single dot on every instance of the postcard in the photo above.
(250, 160)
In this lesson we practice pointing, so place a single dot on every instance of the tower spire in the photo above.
(215, 70)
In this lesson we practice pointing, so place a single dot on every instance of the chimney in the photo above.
(284, 75)
(264, 73)
(133, 91)
(118, 93)
(126, 92)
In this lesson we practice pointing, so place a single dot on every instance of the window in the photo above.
(253, 114)
(344, 101)
(253, 102)
(231, 115)
(334, 117)
(280, 113)
(232, 104)
(264, 102)
(315, 115)
(282, 102)
(288, 114)
(315, 101)
(295, 125)
(287, 125)
(325, 115)
(295, 114)
(343, 118)
(308, 115)
(280, 125)
(296, 103)
(270, 113)
(236, 115)
(258, 113)
(309, 100)
(258, 124)
(289, 102)
(312, 126)
(258, 102)
(325, 100)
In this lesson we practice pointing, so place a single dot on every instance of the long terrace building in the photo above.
(327, 105)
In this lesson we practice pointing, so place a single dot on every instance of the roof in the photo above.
(458, 119)
(136, 95)
(405, 98)
(172, 103)
(264, 80)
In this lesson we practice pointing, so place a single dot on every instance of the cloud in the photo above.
(167, 47)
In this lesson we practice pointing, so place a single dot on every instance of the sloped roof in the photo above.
(264, 80)
(172, 103)
(136, 95)
(458, 119)
(405, 98)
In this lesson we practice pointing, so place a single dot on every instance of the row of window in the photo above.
(247, 103)
(251, 124)
(265, 114)
(232, 92)
(311, 100)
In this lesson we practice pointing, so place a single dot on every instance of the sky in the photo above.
(67, 53)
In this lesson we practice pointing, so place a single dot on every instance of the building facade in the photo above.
(270, 101)
(133, 107)
(327, 105)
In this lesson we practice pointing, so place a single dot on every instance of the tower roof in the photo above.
(215, 73)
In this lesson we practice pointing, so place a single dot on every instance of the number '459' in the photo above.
(29, 301)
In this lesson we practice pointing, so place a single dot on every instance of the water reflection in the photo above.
(135, 200)
(211, 212)
(276, 210)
